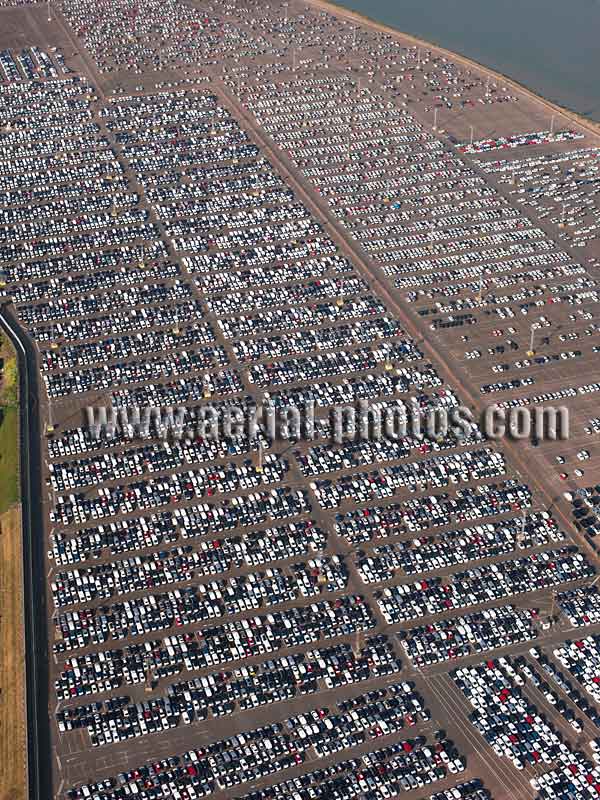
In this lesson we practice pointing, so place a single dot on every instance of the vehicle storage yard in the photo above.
(208, 204)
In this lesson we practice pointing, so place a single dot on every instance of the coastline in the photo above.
(339, 10)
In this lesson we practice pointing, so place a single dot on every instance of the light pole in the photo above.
(50, 425)
(358, 640)
(553, 606)
(531, 351)
(563, 223)
(521, 534)
(480, 292)
(259, 467)
(435, 113)
(472, 135)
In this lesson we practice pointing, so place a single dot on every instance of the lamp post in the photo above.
(531, 351)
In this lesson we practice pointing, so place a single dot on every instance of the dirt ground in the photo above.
(12, 660)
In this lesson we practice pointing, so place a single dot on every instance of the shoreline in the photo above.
(339, 10)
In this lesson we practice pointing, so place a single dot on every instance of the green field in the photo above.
(9, 427)
(13, 785)
(9, 457)
(9, 396)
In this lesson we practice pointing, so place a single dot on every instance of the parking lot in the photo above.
(230, 207)
(520, 315)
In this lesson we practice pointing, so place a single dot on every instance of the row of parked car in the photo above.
(261, 546)
(125, 427)
(437, 471)
(416, 515)
(156, 492)
(581, 606)
(322, 460)
(429, 553)
(338, 363)
(313, 316)
(364, 387)
(560, 187)
(513, 726)
(409, 763)
(581, 659)
(147, 459)
(295, 294)
(242, 689)
(459, 637)
(104, 670)
(185, 606)
(480, 584)
(520, 140)
(406, 765)
(319, 339)
(479, 236)
(159, 336)
(71, 356)
(552, 695)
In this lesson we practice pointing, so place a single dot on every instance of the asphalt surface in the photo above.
(64, 760)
